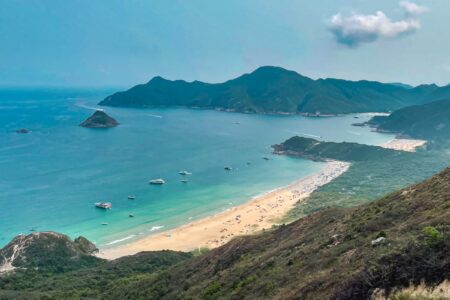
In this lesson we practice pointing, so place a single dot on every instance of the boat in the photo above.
(184, 181)
(184, 173)
(131, 197)
(228, 168)
(104, 205)
(131, 215)
(266, 158)
(158, 181)
(104, 223)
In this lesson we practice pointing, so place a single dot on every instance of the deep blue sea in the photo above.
(51, 177)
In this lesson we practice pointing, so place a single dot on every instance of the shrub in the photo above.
(432, 236)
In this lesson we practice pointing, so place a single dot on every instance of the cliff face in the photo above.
(99, 120)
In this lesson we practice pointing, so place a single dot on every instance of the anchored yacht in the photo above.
(104, 205)
(158, 181)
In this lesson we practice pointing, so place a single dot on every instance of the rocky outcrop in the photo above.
(47, 250)
(85, 245)
(99, 120)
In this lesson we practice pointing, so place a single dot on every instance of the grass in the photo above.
(366, 181)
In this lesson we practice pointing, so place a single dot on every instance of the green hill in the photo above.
(429, 121)
(276, 90)
(391, 243)
(48, 250)
(312, 149)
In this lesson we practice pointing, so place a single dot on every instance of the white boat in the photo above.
(184, 173)
(184, 181)
(104, 205)
(131, 197)
(158, 181)
(228, 168)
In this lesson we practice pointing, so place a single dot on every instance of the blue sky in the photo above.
(122, 43)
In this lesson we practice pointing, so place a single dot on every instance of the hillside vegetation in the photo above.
(48, 250)
(276, 90)
(374, 171)
(429, 121)
(318, 150)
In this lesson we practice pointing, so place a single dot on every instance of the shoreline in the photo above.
(259, 213)
(403, 144)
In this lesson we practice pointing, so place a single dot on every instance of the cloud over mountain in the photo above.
(357, 28)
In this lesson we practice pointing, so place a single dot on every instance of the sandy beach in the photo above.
(260, 213)
(409, 145)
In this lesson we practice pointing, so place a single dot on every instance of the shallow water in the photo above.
(51, 177)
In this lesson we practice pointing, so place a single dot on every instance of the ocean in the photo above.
(51, 177)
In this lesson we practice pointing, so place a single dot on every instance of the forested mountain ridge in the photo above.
(276, 90)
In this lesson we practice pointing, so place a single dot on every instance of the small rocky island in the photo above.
(23, 131)
(99, 120)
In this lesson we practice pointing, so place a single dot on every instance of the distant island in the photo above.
(99, 120)
(274, 90)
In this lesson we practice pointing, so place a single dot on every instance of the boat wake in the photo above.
(82, 105)
(304, 134)
(154, 116)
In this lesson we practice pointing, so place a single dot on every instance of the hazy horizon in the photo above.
(113, 87)
(123, 43)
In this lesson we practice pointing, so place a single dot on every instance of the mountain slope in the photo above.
(327, 255)
(276, 90)
(430, 121)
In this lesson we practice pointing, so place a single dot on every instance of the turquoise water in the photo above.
(51, 177)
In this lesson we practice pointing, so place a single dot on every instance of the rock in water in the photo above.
(23, 131)
(99, 120)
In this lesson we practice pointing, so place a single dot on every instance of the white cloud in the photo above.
(412, 8)
(358, 28)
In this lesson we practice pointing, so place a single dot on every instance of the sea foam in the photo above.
(121, 240)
